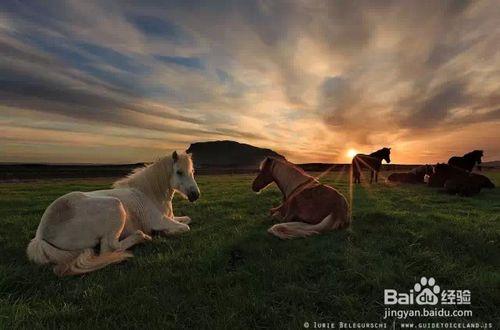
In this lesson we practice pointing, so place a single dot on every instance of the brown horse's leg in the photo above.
(371, 176)
(277, 212)
(376, 176)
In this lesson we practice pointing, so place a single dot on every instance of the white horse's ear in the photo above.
(175, 157)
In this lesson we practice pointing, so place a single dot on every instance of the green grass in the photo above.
(229, 273)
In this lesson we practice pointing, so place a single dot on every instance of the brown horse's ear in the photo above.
(264, 163)
(175, 156)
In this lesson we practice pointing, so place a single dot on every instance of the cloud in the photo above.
(310, 78)
(436, 107)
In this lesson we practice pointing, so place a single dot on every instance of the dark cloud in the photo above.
(25, 89)
(429, 52)
(337, 99)
(436, 107)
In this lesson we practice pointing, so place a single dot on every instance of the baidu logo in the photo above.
(427, 292)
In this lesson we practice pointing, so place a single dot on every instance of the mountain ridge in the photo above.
(226, 153)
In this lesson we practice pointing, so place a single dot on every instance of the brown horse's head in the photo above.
(265, 176)
(429, 169)
(440, 168)
(386, 154)
(475, 155)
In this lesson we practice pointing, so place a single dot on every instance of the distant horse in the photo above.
(443, 172)
(114, 219)
(416, 175)
(467, 185)
(372, 161)
(467, 161)
(463, 186)
(403, 177)
(421, 171)
(482, 180)
(457, 181)
(312, 207)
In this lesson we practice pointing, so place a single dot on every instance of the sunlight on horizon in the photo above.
(351, 153)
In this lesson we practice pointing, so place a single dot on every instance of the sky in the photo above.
(130, 81)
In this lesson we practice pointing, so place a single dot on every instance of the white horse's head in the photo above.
(183, 176)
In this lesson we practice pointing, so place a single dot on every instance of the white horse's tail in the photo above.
(72, 262)
(301, 229)
(88, 262)
(41, 252)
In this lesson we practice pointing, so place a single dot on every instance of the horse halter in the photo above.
(302, 186)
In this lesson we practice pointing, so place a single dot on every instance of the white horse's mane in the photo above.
(153, 178)
(138, 174)
(124, 182)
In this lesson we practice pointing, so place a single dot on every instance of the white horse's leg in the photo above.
(169, 210)
(185, 219)
(166, 225)
(126, 243)
(111, 242)
(170, 227)
(169, 213)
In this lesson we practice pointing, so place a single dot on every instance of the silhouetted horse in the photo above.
(416, 175)
(467, 161)
(468, 185)
(403, 177)
(482, 180)
(421, 171)
(444, 172)
(372, 161)
(463, 186)
(457, 181)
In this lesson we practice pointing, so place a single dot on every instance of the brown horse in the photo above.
(312, 207)
(372, 161)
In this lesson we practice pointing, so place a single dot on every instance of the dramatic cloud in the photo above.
(121, 81)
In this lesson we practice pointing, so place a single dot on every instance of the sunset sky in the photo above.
(128, 81)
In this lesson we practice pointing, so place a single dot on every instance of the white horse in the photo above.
(116, 219)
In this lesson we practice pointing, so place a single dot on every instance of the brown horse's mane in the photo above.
(381, 152)
(474, 154)
(286, 162)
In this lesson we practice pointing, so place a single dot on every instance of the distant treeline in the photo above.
(320, 167)
(15, 172)
(42, 171)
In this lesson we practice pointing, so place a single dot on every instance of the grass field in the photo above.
(229, 273)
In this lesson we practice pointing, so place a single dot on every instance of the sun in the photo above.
(351, 153)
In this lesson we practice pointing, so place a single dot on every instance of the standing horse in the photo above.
(312, 207)
(372, 161)
(116, 219)
(467, 161)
